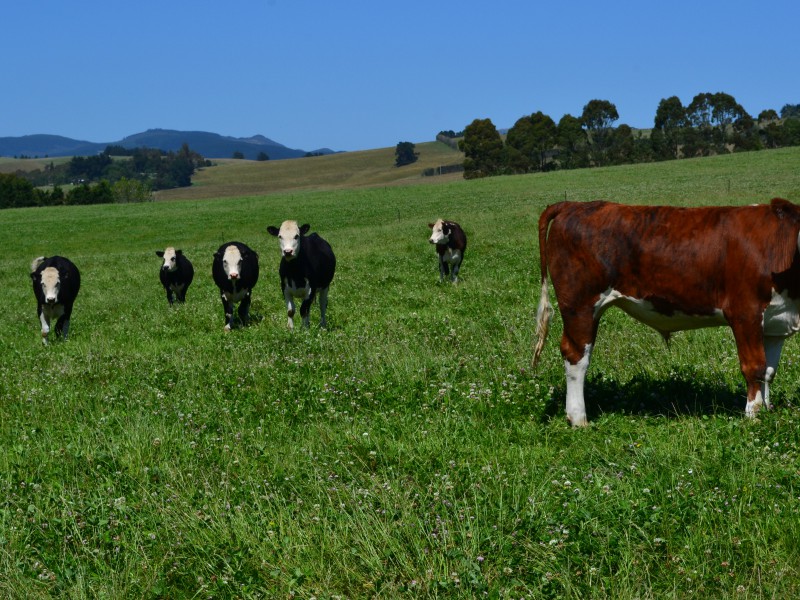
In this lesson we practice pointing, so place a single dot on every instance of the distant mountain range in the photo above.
(209, 145)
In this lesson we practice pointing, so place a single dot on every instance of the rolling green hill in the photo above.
(369, 168)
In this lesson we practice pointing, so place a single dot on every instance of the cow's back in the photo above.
(690, 257)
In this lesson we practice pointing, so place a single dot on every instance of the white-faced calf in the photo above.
(56, 282)
(307, 267)
(451, 242)
(176, 273)
(235, 271)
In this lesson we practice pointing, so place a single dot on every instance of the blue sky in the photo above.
(363, 74)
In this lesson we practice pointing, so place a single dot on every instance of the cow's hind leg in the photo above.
(772, 349)
(577, 342)
(323, 307)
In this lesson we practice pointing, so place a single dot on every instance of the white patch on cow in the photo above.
(51, 284)
(754, 405)
(170, 259)
(237, 295)
(232, 263)
(782, 316)
(437, 234)
(452, 256)
(576, 377)
(289, 239)
(644, 312)
(52, 312)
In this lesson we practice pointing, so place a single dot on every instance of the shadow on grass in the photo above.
(687, 395)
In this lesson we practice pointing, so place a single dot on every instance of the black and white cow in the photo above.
(451, 242)
(176, 273)
(307, 267)
(235, 271)
(56, 282)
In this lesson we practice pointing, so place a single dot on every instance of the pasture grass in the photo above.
(408, 451)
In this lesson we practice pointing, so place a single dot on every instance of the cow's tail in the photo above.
(36, 262)
(545, 310)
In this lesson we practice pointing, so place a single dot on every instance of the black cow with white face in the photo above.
(235, 271)
(56, 282)
(176, 273)
(451, 243)
(307, 267)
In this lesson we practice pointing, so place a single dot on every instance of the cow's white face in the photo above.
(51, 284)
(440, 234)
(289, 239)
(232, 262)
(170, 256)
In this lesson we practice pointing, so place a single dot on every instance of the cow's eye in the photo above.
(297, 236)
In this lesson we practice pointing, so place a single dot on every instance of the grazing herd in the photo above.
(670, 268)
(306, 270)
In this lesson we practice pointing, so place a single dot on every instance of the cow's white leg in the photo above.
(772, 348)
(576, 377)
(323, 306)
(287, 295)
(45, 326)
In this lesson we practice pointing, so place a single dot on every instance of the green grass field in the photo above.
(408, 451)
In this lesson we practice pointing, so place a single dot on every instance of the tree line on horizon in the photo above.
(710, 124)
(101, 179)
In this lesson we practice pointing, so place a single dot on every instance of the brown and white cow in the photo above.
(56, 282)
(672, 269)
(451, 243)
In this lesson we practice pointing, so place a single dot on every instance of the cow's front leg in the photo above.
(305, 308)
(443, 270)
(45, 321)
(456, 269)
(289, 298)
(227, 307)
(170, 296)
(751, 347)
(244, 309)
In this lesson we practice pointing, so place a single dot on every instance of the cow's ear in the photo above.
(304, 228)
(160, 253)
(179, 252)
(430, 225)
(272, 230)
